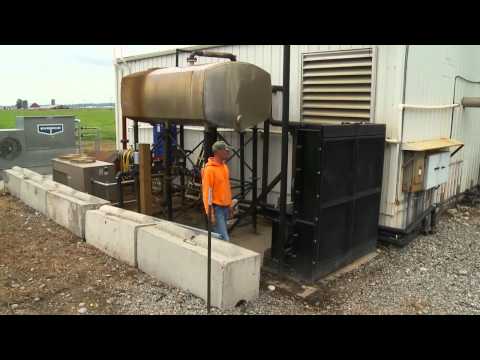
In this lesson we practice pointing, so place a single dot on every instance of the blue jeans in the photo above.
(221, 216)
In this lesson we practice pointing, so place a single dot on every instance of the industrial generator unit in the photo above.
(86, 175)
(337, 172)
(337, 167)
(36, 140)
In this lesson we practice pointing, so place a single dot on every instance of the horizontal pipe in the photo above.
(125, 202)
(214, 54)
(471, 102)
(201, 128)
(427, 107)
(112, 184)
(293, 124)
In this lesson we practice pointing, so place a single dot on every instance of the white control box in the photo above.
(436, 169)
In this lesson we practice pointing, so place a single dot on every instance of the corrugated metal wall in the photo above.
(431, 72)
(466, 128)
(429, 81)
(268, 57)
(389, 89)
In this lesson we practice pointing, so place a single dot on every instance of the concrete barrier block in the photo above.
(34, 190)
(178, 257)
(13, 179)
(68, 207)
(114, 231)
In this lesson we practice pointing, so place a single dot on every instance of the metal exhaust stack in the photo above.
(284, 164)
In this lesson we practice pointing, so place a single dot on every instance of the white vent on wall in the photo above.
(337, 85)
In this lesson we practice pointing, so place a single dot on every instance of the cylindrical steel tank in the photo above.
(233, 95)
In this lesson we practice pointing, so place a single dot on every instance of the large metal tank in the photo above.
(233, 95)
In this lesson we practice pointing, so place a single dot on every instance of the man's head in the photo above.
(221, 150)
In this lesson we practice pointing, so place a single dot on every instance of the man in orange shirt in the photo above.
(215, 176)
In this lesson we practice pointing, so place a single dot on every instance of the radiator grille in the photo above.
(337, 86)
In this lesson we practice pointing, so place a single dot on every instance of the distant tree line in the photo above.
(21, 104)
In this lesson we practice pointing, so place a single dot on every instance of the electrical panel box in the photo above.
(413, 171)
(436, 169)
(423, 170)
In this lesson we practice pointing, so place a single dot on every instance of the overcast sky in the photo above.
(66, 73)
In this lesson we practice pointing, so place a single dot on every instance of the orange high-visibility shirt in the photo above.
(216, 176)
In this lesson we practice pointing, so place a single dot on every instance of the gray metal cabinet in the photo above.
(437, 169)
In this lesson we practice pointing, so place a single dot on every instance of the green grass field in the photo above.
(104, 119)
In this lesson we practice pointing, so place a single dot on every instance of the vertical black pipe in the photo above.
(135, 135)
(284, 152)
(266, 146)
(167, 146)
(210, 137)
(242, 164)
(184, 160)
(254, 177)
(182, 139)
(124, 133)
(209, 250)
(120, 191)
(137, 189)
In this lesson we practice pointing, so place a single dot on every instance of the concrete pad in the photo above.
(114, 231)
(68, 207)
(259, 242)
(178, 257)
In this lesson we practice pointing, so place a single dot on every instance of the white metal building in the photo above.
(410, 88)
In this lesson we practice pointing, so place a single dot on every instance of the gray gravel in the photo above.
(435, 274)
(152, 297)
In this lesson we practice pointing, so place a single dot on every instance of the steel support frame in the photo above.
(210, 136)
(167, 178)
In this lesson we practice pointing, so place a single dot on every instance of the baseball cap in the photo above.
(220, 145)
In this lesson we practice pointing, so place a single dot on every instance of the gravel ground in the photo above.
(435, 274)
(44, 269)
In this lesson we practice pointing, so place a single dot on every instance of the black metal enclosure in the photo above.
(336, 198)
